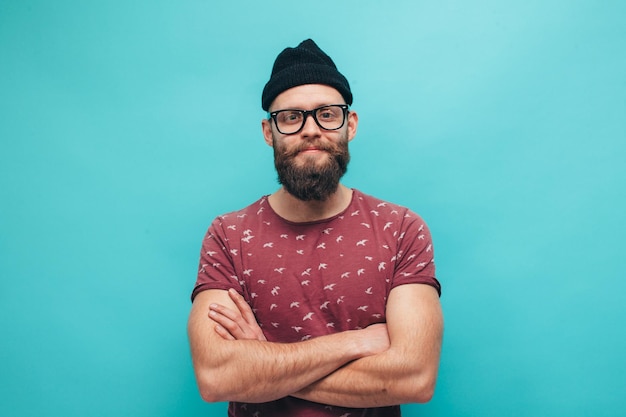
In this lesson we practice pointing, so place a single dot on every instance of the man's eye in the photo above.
(326, 114)
(290, 117)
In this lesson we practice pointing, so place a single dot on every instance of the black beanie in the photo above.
(304, 64)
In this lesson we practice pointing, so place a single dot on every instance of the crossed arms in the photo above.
(381, 365)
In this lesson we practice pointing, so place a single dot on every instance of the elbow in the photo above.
(210, 389)
(209, 395)
(420, 389)
(424, 394)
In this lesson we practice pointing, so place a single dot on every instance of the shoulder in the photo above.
(251, 210)
(379, 206)
(237, 220)
(388, 211)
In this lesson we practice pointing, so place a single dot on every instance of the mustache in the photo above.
(330, 148)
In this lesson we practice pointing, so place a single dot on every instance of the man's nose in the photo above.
(310, 127)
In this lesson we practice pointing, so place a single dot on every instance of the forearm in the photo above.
(375, 381)
(256, 371)
(404, 373)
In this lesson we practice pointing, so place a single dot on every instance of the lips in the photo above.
(308, 148)
(314, 148)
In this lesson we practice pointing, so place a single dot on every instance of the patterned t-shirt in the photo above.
(305, 280)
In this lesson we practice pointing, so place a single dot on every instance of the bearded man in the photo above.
(318, 299)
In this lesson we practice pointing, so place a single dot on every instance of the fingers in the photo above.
(224, 333)
(242, 306)
(226, 322)
(217, 309)
(236, 324)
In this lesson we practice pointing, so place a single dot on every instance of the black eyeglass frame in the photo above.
(306, 113)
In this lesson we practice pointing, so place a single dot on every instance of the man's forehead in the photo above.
(307, 96)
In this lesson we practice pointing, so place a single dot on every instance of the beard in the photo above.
(311, 180)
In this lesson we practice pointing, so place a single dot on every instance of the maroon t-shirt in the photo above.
(305, 280)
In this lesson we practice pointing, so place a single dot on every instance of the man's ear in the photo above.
(266, 125)
(353, 122)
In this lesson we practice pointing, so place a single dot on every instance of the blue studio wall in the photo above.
(126, 126)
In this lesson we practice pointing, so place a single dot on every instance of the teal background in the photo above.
(126, 126)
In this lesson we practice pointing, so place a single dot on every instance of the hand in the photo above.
(236, 325)
(376, 338)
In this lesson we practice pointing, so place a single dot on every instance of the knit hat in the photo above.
(304, 64)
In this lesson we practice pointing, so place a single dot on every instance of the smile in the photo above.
(311, 149)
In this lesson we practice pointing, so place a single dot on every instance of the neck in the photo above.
(293, 209)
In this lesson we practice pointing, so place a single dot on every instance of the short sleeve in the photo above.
(416, 259)
(216, 268)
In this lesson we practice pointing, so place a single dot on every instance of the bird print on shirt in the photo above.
(309, 280)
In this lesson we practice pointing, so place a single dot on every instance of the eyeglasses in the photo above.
(291, 121)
